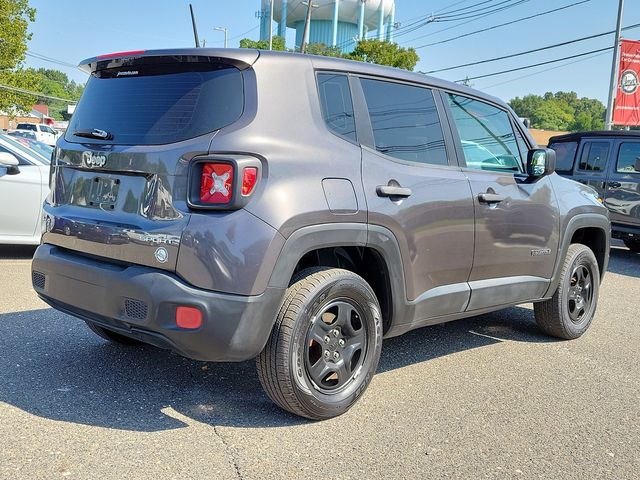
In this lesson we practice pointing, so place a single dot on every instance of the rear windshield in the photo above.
(565, 155)
(158, 103)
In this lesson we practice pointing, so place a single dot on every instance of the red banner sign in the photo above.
(627, 107)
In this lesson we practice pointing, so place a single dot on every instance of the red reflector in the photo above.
(120, 54)
(249, 179)
(216, 184)
(188, 317)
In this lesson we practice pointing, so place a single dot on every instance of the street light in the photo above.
(225, 30)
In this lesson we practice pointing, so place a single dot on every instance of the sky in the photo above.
(72, 30)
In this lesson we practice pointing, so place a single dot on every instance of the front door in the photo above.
(516, 218)
(414, 188)
(20, 200)
(622, 193)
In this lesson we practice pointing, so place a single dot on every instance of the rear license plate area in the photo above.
(104, 192)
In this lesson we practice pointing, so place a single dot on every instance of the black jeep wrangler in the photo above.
(608, 161)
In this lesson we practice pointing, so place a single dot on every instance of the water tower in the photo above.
(338, 23)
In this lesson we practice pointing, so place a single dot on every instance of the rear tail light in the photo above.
(222, 182)
(249, 179)
(216, 183)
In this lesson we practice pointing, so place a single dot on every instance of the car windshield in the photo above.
(25, 150)
(39, 147)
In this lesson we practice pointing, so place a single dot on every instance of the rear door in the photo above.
(20, 198)
(622, 194)
(516, 219)
(414, 187)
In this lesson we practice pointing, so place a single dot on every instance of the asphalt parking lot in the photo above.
(489, 397)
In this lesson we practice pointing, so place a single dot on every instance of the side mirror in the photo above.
(636, 166)
(541, 162)
(10, 162)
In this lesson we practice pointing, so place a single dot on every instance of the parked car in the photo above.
(351, 202)
(24, 184)
(609, 162)
(44, 133)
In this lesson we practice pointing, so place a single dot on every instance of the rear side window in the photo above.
(629, 158)
(594, 157)
(405, 122)
(565, 155)
(154, 104)
(487, 136)
(337, 107)
(27, 126)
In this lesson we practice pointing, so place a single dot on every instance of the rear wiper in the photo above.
(94, 133)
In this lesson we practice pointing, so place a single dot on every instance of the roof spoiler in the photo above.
(241, 58)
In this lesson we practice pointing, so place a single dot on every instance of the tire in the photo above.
(112, 336)
(568, 314)
(325, 345)
(632, 244)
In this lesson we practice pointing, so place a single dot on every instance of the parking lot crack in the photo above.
(233, 457)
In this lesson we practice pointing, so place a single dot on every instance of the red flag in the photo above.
(627, 107)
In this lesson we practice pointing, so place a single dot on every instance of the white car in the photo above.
(44, 133)
(24, 184)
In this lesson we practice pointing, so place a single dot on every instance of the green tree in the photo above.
(385, 53)
(372, 51)
(322, 49)
(15, 16)
(561, 111)
(277, 43)
(57, 84)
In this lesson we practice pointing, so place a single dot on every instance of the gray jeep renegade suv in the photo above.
(232, 204)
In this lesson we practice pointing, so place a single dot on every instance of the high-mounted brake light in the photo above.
(249, 180)
(120, 54)
(216, 183)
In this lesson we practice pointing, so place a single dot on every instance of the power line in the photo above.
(35, 94)
(484, 12)
(480, 12)
(530, 51)
(503, 24)
(543, 71)
(536, 64)
(49, 59)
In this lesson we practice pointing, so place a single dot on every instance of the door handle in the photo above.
(615, 184)
(392, 191)
(491, 198)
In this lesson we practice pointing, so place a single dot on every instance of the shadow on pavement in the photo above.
(21, 252)
(624, 262)
(52, 366)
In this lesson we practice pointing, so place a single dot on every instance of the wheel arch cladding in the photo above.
(350, 246)
(590, 229)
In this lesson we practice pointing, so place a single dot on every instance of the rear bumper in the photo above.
(140, 302)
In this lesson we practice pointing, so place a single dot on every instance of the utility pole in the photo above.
(225, 30)
(307, 20)
(613, 84)
(271, 25)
